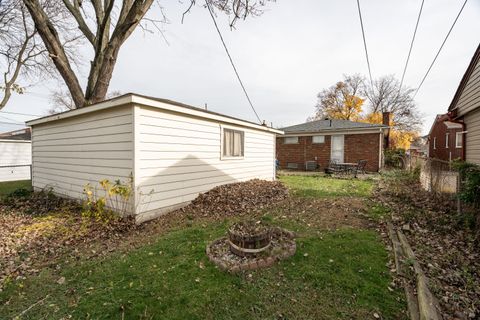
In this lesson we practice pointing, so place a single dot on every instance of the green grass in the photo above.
(10, 186)
(328, 278)
(321, 187)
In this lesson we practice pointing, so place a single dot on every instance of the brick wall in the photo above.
(357, 147)
(439, 131)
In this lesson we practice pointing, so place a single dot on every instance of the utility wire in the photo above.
(441, 47)
(20, 114)
(365, 42)
(10, 119)
(231, 60)
(12, 123)
(411, 46)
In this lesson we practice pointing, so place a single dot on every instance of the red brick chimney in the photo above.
(386, 121)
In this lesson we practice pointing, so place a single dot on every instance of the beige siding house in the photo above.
(465, 109)
(173, 151)
(15, 160)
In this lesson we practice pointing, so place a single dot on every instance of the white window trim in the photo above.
(222, 157)
(456, 140)
(285, 140)
(434, 143)
(313, 137)
(447, 136)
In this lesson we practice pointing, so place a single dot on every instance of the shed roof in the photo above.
(330, 125)
(159, 103)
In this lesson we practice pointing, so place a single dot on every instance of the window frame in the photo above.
(222, 143)
(285, 140)
(447, 136)
(318, 135)
(434, 143)
(456, 140)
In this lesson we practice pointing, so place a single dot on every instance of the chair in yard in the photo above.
(333, 167)
(360, 167)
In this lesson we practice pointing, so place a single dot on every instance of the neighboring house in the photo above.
(419, 146)
(174, 151)
(341, 140)
(465, 109)
(445, 140)
(15, 159)
(21, 134)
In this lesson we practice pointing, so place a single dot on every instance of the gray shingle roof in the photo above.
(330, 125)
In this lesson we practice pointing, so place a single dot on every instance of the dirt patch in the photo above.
(442, 241)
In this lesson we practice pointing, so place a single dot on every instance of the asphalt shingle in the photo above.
(330, 124)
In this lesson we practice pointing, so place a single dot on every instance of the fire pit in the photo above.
(251, 245)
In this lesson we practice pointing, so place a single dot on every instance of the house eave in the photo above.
(337, 131)
(132, 99)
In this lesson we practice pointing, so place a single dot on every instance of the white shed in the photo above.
(15, 160)
(174, 151)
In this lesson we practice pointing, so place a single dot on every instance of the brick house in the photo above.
(322, 140)
(445, 140)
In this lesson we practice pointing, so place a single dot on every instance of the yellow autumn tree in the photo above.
(398, 138)
(341, 101)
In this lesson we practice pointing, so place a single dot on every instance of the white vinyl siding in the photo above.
(69, 153)
(470, 98)
(472, 137)
(15, 160)
(179, 156)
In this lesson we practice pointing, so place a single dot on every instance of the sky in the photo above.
(285, 57)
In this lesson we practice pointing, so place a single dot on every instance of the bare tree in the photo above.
(61, 100)
(106, 25)
(387, 96)
(21, 52)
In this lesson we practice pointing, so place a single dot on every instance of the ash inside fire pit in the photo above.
(251, 245)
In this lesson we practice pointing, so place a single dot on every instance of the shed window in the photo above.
(291, 140)
(318, 139)
(434, 142)
(233, 143)
(459, 140)
(446, 139)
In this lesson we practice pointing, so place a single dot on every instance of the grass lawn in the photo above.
(10, 186)
(339, 274)
(320, 187)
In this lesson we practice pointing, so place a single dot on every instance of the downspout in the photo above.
(380, 148)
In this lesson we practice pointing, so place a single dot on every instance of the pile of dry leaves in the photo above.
(443, 241)
(238, 198)
(37, 229)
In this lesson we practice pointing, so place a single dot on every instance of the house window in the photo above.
(446, 139)
(458, 139)
(291, 140)
(434, 142)
(318, 139)
(233, 143)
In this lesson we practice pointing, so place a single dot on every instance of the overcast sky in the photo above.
(286, 56)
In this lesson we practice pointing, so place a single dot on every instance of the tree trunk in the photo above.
(54, 46)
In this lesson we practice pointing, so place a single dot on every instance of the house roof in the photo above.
(465, 79)
(159, 103)
(330, 125)
(21, 134)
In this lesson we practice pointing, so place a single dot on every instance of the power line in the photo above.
(441, 47)
(10, 119)
(231, 60)
(12, 123)
(411, 45)
(364, 42)
(20, 114)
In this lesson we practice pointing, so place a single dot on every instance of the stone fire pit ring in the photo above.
(280, 245)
